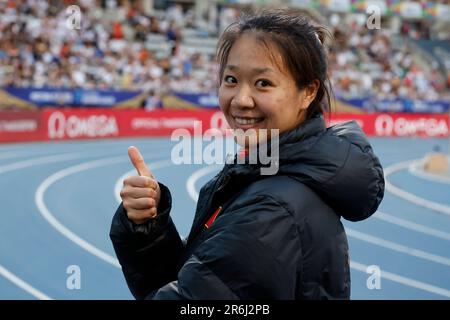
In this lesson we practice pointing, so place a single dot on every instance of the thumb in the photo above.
(138, 162)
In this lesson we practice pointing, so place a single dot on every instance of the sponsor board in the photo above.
(100, 123)
(70, 124)
(18, 126)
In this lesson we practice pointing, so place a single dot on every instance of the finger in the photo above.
(139, 204)
(136, 193)
(141, 216)
(140, 182)
(138, 162)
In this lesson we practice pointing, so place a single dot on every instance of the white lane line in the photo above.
(404, 280)
(23, 285)
(397, 247)
(116, 144)
(8, 155)
(193, 178)
(411, 225)
(438, 207)
(353, 264)
(119, 182)
(38, 161)
(416, 169)
(22, 165)
(45, 212)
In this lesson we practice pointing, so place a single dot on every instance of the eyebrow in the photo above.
(254, 70)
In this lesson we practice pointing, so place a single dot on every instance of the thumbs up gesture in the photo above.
(140, 194)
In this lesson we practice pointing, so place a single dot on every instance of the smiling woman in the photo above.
(282, 59)
(255, 93)
(258, 236)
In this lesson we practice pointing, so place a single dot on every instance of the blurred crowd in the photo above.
(366, 62)
(38, 49)
(110, 50)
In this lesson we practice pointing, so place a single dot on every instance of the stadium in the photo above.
(81, 81)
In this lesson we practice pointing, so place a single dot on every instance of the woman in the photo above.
(259, 236)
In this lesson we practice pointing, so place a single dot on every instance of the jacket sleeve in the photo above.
(237, 259)
(148, 253)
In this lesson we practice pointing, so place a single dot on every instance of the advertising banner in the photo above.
(48, 97)
(66, 124)
(398, 105)
(97, 123)
(398, 124)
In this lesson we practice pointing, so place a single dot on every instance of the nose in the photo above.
(243, 98)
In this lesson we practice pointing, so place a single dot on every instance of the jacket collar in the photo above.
(290, 143)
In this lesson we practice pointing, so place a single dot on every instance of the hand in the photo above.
(140, 194)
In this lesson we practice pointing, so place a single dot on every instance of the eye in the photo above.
(230, 79)
(263, 83)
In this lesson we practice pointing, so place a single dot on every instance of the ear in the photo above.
(309, 93)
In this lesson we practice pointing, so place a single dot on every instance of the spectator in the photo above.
(37, 49)
(153, 101)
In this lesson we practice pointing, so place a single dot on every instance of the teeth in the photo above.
(247, 120)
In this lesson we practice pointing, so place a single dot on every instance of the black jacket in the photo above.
(277, 236)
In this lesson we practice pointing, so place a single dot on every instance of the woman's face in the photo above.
(257, 92)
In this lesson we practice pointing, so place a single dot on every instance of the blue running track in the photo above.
(58, 199)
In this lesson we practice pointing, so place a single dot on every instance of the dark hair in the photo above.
(301, 42)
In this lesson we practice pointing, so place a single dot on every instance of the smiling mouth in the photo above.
(247, 121)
